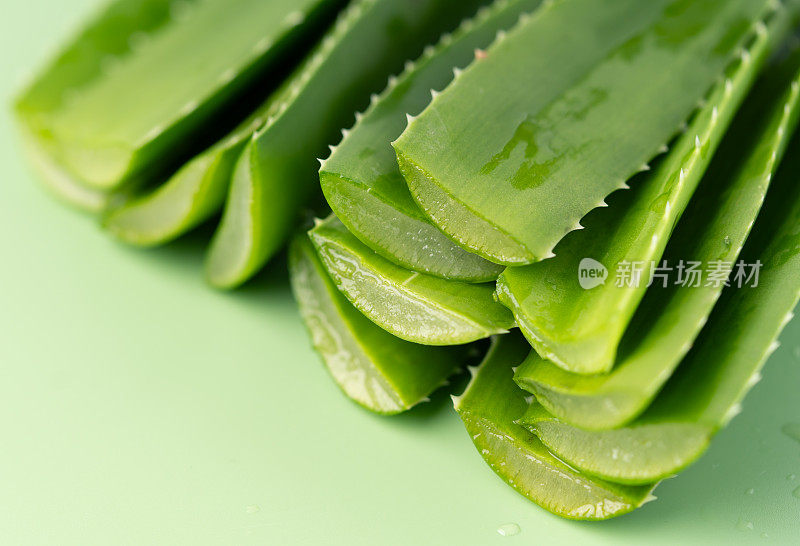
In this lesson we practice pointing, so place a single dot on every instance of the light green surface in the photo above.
(140, 407)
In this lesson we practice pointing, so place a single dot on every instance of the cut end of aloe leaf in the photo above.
(580, 354)
(237, 251)
(592, 406)
(376, 370)
(635, 455)
(408, 240)
(413, 306)
(191, 196)
(472, 232)
(61, 183)
(489, 407)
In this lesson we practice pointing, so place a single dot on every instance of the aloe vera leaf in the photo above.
(580, 328)
(277, 173)
(714, 229)
(488, 409)
(375, 369)
(708, 387)
(412, 306)
(171, 83)
(109, 34)
(525, 143)
(362, 181)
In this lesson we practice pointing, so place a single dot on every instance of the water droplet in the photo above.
(252, 508)
(792, 430)
(751, 491)
(764, 535)
(796, 352)
(508, 530)
(727, 241)
(791, 478)
(745, 525)
(796, 492)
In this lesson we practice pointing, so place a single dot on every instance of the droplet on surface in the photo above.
(745, 525)
(796, 492)
(252, 508)
(508, 530)
(791, 478)
(792, 430)
(751, 491)
(727, 240)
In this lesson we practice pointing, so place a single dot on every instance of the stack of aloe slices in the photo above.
(467, 199)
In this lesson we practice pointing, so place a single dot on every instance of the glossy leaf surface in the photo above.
(525, 143)
(579, 325)
(125, 99)
(713, 231)
(708, 387)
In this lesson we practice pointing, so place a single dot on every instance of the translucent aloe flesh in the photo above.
(488, 409)
(362, 181)
(579, 326)
(708, 387)
(413, 306)
(714, 229)
(192, 195)
(60, 183)
(129, 113)
(527, 141)
(375, 369)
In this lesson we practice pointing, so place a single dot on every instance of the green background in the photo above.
(137, 406)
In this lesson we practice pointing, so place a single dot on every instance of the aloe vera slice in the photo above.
(525, 143)
(129, 116)
(488, 409)
(413, 306)
(107, 35)
(708, 387)
(714, 229)
(375, 369)
(60, 183)
(191, 196)
(579, 327)
(362, 181)
(277, 173)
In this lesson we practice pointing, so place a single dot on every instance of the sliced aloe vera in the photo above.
(714, 229)
(277, 172)
(413, 306)
(131, 115)
(708, 387)
(191, 196)
(579, 326)
(362, 181)
(489, 407)
(377, 370)
(525, 143)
